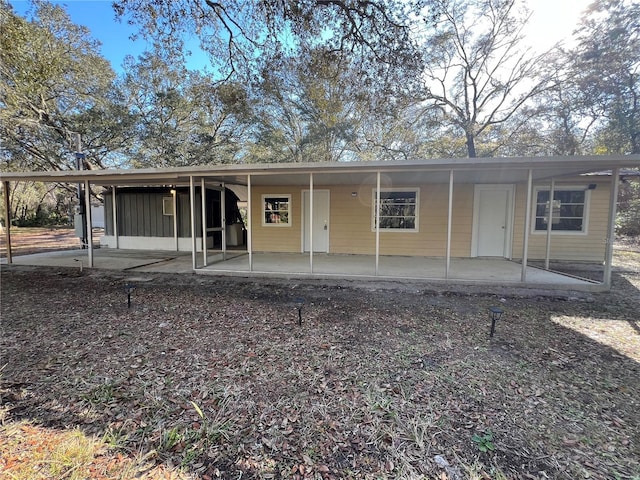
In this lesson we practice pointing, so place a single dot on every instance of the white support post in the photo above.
(311, 222)
(203, 202)
(114, 207)
(611, 228)
(87, 203)
(249, 229)
(223, 216)
(547, 254)
(527, 221)
(377, 222)
(174, 194)
(7, 221)
(449, 218)
(192, 215)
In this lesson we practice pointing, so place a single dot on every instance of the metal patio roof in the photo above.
(466, 170)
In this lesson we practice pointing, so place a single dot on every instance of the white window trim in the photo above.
(167, 206)
(396, 230)
(262, 210)
(585, 215)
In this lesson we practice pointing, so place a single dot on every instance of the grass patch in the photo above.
(32, 452)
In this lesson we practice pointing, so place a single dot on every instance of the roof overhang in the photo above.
(465, 170)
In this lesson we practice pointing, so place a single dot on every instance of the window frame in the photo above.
(562, 188)
(374, 195)
(264, 210)
(167, 206)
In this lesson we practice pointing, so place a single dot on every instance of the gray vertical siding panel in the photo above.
(108, 214)
(146, 215)
(140, 214)
(154, 215)
(134, 206)
(184, 220)
(126, 225)
(158, 217)
(166, 223)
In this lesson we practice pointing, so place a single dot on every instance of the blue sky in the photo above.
(99, 17)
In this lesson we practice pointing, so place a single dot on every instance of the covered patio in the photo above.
(475, 271)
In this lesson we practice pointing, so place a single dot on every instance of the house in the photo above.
(518, 209)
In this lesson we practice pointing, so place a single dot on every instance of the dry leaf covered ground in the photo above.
(210, 377)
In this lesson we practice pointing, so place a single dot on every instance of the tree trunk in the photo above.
(471, 145)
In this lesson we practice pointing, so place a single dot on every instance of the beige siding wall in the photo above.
(577, 247)
(351, 222)
(276, 238)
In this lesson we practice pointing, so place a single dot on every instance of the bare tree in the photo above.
(478, 73)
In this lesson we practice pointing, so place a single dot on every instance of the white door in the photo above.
(492, 221)
(320, 228)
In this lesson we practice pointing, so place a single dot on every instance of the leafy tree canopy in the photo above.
(182, 117)
(53, 85)
(606, 69)
(242, 36)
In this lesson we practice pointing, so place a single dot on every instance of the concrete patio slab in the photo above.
(489, 271)
(462, 270)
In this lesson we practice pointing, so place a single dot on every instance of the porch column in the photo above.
(377, 222)
(223, 216)
(449, 216)
(611, 229)
(7, 221)
(549, 224)
(192, 215)
(249, 229)
(114, 207)
(87, 211)
(174, 194)
(203, 202)
(527, 221)
(310, 222)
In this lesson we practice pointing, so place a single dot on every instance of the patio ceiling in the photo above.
(466, 170)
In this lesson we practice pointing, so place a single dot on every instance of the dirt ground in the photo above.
(215, 377)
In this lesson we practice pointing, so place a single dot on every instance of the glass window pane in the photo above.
(398, 210)
(568, 210)
(276, 210)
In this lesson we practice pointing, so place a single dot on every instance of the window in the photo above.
(568, 210)
(167, 205)
(276, 210)
(398, 210)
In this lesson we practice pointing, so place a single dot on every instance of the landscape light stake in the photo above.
(128, 289)
(494, 313)
(299, 303)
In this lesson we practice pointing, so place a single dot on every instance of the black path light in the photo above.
(128, 289)
(494, 313)
(299, 302)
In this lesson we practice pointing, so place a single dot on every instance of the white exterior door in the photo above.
(492, 221)
(320, 230)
